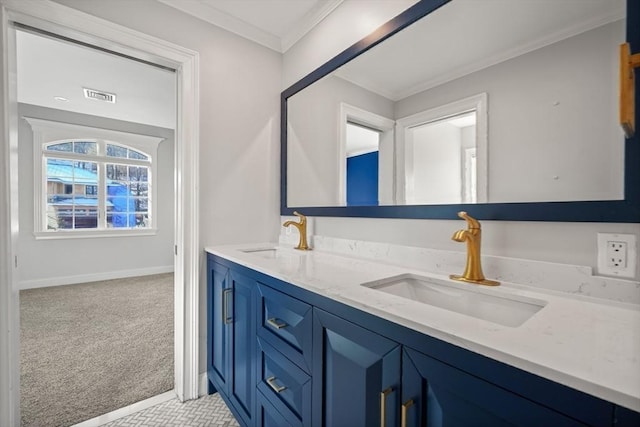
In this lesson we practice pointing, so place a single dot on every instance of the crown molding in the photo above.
(308, 22)
(227, 22)
(251, 32)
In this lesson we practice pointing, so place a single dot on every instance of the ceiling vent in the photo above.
(99, 95)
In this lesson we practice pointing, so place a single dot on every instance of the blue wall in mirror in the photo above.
(627, 210)
(362, 180)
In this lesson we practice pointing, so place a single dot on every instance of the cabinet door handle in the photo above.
(403, 414)
(272, 383)
(383, 406)
(226, 319)
(275, 324)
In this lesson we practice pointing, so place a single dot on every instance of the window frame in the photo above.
(46, 132)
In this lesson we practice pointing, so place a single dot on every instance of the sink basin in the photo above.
(269, 253)
(463, 298)
(262, 252)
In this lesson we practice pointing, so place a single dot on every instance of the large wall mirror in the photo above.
(505, 108)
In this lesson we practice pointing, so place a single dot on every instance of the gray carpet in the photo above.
(91, 348)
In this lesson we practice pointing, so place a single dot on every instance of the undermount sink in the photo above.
(269, 253)
(463, 298)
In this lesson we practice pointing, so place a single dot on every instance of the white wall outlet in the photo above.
(617, 255)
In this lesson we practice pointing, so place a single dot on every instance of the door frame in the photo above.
(68, 22)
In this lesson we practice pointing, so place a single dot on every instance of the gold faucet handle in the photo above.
(303, 218)
(472, 222)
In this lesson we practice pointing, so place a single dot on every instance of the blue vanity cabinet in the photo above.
(436, 394)
(231, 308)
(624, 417)
(281, 355)
(356, 374)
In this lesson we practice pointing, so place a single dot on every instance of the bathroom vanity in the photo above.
(318, 338)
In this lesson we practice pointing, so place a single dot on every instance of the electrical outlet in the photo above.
(617, 254)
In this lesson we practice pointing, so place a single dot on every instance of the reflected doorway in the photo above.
(362, 165)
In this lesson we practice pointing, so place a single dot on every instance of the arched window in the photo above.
(101, 183)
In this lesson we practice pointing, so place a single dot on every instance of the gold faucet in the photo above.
(473, 270)
(302, 229)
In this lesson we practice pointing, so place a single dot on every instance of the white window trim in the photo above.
(479, 103)
(47, 131)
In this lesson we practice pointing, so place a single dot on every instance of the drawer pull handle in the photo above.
(274, 323)
(272, 383)
(383, 406)
(403, 414)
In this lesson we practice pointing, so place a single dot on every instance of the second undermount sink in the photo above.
(467, 299)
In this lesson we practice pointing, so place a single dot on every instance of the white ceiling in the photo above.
(276, 24)
(49, 68)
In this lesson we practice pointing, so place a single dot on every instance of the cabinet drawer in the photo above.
(267, 415)
(285, 323)
(286, 386)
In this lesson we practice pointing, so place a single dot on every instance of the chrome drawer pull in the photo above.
(226, 319)
(272, 383)
(274, 323)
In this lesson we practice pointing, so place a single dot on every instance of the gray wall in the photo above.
(64, 261)
(571, 243)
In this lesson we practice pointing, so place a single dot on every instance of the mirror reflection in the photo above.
(478, 102)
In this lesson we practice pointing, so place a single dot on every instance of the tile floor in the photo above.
(204, 412)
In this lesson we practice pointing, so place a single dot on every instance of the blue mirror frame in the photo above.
(627, 210)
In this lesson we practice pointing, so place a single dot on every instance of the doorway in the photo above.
(56, 19)
(96, 166)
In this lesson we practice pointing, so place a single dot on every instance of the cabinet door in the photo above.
(218, 292)
(243, 354)
(356, 374)
(435, 394)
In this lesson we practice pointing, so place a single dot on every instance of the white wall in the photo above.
(66, 261)
(240, 83)
(572, 243)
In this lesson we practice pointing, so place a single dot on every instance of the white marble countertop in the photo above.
(586, 343)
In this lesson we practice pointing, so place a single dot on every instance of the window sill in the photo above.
(92, 234)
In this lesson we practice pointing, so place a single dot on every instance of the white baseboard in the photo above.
(203, 385)
(84, 278)
(127, 410)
